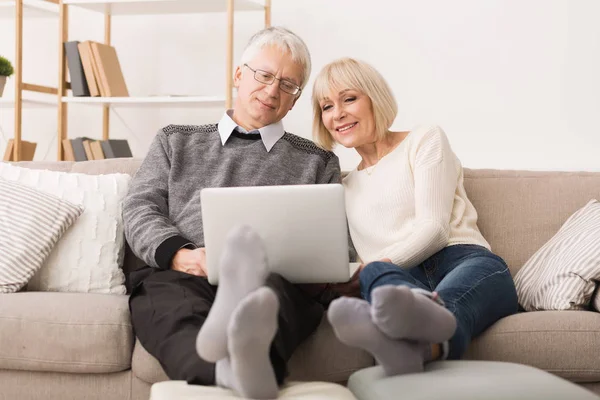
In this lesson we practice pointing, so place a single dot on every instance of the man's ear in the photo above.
(237, 76)
(295, 100)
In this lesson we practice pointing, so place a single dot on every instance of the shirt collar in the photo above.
(269, 134)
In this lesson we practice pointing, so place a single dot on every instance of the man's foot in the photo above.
(251, 330)
(351, 321)
(242, 270)
(401, 313)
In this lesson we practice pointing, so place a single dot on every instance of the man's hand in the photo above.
(191, 262)
(352, 287)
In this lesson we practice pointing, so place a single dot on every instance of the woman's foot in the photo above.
(401, 313)
(352, 323)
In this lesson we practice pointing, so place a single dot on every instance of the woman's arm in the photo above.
(435, 173)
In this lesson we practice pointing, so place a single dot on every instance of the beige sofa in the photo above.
(81, 346)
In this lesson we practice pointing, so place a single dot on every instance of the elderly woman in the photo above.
(431, 283)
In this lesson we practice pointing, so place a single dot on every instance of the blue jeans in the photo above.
(475, 284)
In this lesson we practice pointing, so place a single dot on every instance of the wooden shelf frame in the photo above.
(112, 8)
(46, 7)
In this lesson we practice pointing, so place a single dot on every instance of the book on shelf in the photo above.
(69, 155)
(84, 149)
(87, 61)
(79, 84)
(116, 148)
(78, 148)
(95, 70)
(97, 150)
(109, 70)
(88, 149)
(27, 150)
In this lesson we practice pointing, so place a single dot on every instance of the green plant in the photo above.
(6, 68)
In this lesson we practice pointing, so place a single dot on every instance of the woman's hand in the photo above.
(352, 287)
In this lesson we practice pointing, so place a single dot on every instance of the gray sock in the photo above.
(352, 324)
(242, 269)
(251, 330)
(401, 313)
(224, 376)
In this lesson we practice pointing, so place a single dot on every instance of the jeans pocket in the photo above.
(430, 266)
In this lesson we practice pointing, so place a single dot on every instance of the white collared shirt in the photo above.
(269, 134)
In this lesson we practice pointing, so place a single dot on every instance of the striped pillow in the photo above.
(31, 222)
(562, 274)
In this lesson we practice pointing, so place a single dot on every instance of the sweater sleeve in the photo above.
(148, 229)
(435, 172)
(332, 173)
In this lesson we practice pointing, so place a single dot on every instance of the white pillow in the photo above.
(88, 256)
(562, 274)
(31, 222)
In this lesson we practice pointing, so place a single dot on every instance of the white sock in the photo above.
(251, 330)
(352, 324)
(402, 313)
(242, 269)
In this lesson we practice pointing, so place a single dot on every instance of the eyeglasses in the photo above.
(268, 78)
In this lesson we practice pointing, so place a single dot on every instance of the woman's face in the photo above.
(348, 116)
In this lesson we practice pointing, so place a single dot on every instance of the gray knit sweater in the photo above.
(162, 211)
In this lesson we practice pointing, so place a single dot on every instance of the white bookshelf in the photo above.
(31, 8)
(141, 7)
(150, 101)
(6, 103)
(26, 95)
(115, 8)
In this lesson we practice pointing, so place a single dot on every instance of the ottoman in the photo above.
(180, 390)
(466, 380)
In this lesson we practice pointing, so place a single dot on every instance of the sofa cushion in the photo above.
(466, 380)
(97, 167)
(562, 275)
(321, 357)
(565, 343)
(181, 390)
(146, 367)
(65, 332)
(87, 258)
(31, 222)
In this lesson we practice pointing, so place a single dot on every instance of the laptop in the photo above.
(303, 227)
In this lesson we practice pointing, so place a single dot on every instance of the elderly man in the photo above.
(241, 335)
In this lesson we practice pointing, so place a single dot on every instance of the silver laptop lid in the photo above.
(303, 227)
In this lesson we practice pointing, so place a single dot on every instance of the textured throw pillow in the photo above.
(562, 274)
(88, 256)
(31, 222)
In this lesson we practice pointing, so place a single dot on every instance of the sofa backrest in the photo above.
(518, 210)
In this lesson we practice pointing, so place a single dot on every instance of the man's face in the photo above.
(258, 104)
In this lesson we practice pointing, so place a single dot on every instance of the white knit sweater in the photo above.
(413, 203)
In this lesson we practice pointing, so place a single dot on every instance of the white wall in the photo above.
(514, 83)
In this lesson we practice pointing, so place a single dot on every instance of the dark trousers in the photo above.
(169, 307)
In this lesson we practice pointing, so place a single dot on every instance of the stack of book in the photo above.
(94, 70)
(27, 150)
(83, 149)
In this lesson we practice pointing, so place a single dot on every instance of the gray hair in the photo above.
(284, 39)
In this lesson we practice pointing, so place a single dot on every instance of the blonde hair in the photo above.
(348, 73)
